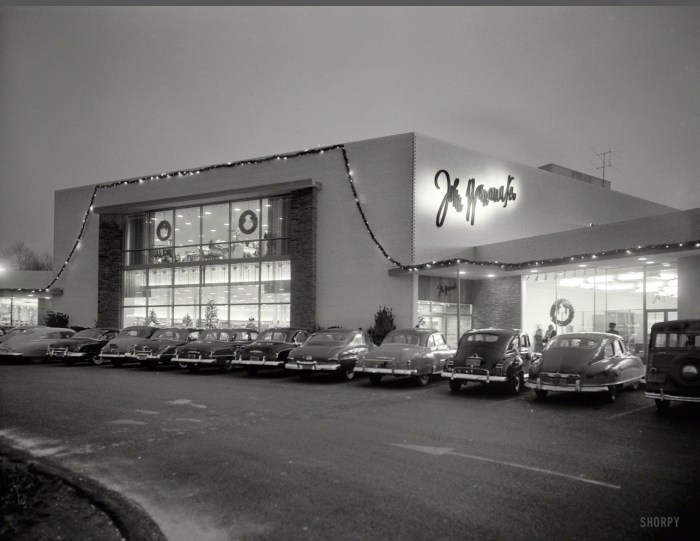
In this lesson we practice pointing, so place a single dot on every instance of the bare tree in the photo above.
(20, 257)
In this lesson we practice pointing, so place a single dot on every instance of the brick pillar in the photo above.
(497, 303)
(109, 271)
(303, 258)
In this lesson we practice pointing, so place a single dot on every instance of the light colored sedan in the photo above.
(417, 353)
(32, 344)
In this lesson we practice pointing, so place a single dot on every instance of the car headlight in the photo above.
(690, 372)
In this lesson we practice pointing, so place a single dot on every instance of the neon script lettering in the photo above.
(474, 194)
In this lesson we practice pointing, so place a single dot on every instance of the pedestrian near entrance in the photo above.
(539, 344)
(612, 329)
(550, 333)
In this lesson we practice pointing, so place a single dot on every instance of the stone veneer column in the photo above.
(497, 303)
(109, 270)
(303, 258)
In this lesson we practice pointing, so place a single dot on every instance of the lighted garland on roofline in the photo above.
(688, 245)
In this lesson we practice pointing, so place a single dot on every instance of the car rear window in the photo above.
(581, 343)
(273, 336)
(677, 340)
(404, 338)
(328, 337)
(166, 335)
(482, 337)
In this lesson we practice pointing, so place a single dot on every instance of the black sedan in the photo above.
(160, 348)
(334, 350)
(215, 348)
(82, 347)
(271, 348)
(501, 356)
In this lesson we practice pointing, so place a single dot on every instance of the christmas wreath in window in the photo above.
(562, 312)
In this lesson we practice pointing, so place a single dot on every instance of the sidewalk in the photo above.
(41, 501)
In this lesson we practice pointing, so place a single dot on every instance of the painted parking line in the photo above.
(629, 412)
(439, 451)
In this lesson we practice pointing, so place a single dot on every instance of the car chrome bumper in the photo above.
(11, 353)
(670, 397)
(577, 388)
(487, 378)
(147, 357)
(187, 360)
(391, 371)
(248, 362)
(312, 366)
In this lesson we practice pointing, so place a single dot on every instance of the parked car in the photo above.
(119, 349)
(332, 350)
(585, 363)
(84, 346)
(673, 367)
(160, 348)
(501, 356)
(418, 353)
(11, 331)
(215, 348)
(271, 348)
(32, 344)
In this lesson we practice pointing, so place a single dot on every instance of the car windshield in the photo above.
(573, 342)
(89, 333)
(327, 337)
(273, 336)
(402, 338)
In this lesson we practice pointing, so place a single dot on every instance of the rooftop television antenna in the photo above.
(606, 158)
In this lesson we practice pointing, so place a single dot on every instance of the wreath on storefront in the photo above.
(562, 312)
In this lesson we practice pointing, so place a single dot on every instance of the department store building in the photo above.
(444, 236)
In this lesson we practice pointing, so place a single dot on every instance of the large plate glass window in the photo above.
(224, 262)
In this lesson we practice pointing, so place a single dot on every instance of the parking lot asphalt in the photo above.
(225, 456)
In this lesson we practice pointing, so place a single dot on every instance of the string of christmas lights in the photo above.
(637, 250)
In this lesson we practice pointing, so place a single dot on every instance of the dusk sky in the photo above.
(96, 94)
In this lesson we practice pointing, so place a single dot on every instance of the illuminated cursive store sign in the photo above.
(474, 193)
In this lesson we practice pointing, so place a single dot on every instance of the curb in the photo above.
(129, 517)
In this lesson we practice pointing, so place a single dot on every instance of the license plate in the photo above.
(561, 382)
(656, 378)
(193, 355)
(254, 357)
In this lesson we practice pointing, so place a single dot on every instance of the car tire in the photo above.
(541, 393)
(455, 385)
(662, 406)
(182, 365)
(97, 360)
(374, 379)
(422, 380)
(675, 371)
(515, 383)
(347, 375)
(227, 366)
(611, 394)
